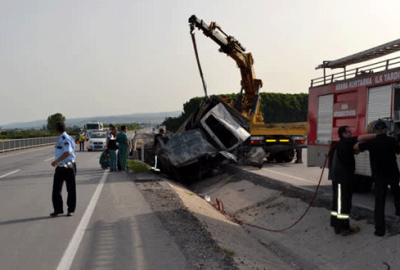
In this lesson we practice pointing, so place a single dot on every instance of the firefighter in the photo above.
(341, 171)
(382, 154)
(81, 140)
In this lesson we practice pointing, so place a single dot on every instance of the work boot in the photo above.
(379, 233)
(350, 231)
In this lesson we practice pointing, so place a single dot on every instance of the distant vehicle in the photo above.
(93, 126)
(97, 141)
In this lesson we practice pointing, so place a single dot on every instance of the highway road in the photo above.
(113, 226)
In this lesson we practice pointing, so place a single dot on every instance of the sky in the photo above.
(98, 58)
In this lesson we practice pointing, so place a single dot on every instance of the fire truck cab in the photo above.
(354, 97)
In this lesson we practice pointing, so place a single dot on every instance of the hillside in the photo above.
(153, 118)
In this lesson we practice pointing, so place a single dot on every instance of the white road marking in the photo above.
(69, 254)
(284, 174)
(49, 159)
(9, 173)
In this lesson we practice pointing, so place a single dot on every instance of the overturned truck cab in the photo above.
(210, 136)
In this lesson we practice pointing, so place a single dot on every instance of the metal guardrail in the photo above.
(11, 145)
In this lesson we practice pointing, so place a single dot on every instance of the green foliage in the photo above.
(129, 126)
(22, 134)
(137, 166)
(52, 120)
(284, 108)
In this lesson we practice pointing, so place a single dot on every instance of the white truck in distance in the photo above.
(93, 126)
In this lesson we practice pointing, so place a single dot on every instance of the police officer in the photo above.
(341, 172)
(81, 140)
(382, 154)
(65, 171)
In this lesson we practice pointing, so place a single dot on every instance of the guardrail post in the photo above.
(142, 153)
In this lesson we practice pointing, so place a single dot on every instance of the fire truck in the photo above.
(356, 97)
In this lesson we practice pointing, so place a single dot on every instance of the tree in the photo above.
(53, 119)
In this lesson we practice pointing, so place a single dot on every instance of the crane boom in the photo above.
(230, 46)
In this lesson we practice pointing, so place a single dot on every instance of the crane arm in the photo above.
(230, 46)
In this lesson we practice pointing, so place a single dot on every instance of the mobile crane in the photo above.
(279, 140)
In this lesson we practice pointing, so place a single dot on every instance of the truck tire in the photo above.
(288, 155)
(284, 156)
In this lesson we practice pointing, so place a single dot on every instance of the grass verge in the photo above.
(137, 166)
(225, 251)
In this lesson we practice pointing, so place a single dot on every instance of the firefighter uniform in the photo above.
(342, 175)
(382, 152)
(65, 171)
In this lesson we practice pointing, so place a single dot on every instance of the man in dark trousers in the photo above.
(342, 174)
(65, 171)
(382, 155)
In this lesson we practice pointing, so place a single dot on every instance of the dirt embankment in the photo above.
(311, 244)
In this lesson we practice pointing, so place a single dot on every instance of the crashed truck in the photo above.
(356, 97)
(209, 137)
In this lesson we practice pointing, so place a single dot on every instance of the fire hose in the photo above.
(220, 206)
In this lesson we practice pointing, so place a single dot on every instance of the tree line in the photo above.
(275, 108)
(49, 129)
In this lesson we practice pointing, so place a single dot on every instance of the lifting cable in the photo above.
(220, 206)
(198, 60)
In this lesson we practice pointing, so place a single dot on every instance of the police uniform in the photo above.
(81, 141)
(65, 171)
(382, 153)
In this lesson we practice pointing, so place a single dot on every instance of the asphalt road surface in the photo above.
(113, 226)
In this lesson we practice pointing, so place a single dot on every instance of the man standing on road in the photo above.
(123, 147)
(65, 171)
(112, 148)
(342, 174)
(382, 155)
(81, 140)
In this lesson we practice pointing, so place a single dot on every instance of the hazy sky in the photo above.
(92, 58)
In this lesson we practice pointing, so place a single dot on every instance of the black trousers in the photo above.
(380, 188)
(68, 175)
(341, 204)
(82, 146)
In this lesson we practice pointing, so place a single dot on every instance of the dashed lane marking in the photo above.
(69, 254)
(9, 173)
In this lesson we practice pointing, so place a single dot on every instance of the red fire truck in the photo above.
(354, 97)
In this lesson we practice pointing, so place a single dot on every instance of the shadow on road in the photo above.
(15, 221)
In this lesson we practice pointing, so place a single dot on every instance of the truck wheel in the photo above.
(288, 155)
(280, 157)
(271, 157)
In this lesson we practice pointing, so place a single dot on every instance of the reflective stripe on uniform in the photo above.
(339, 214)
(333, 213)
(339, 200)
(343, 216)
